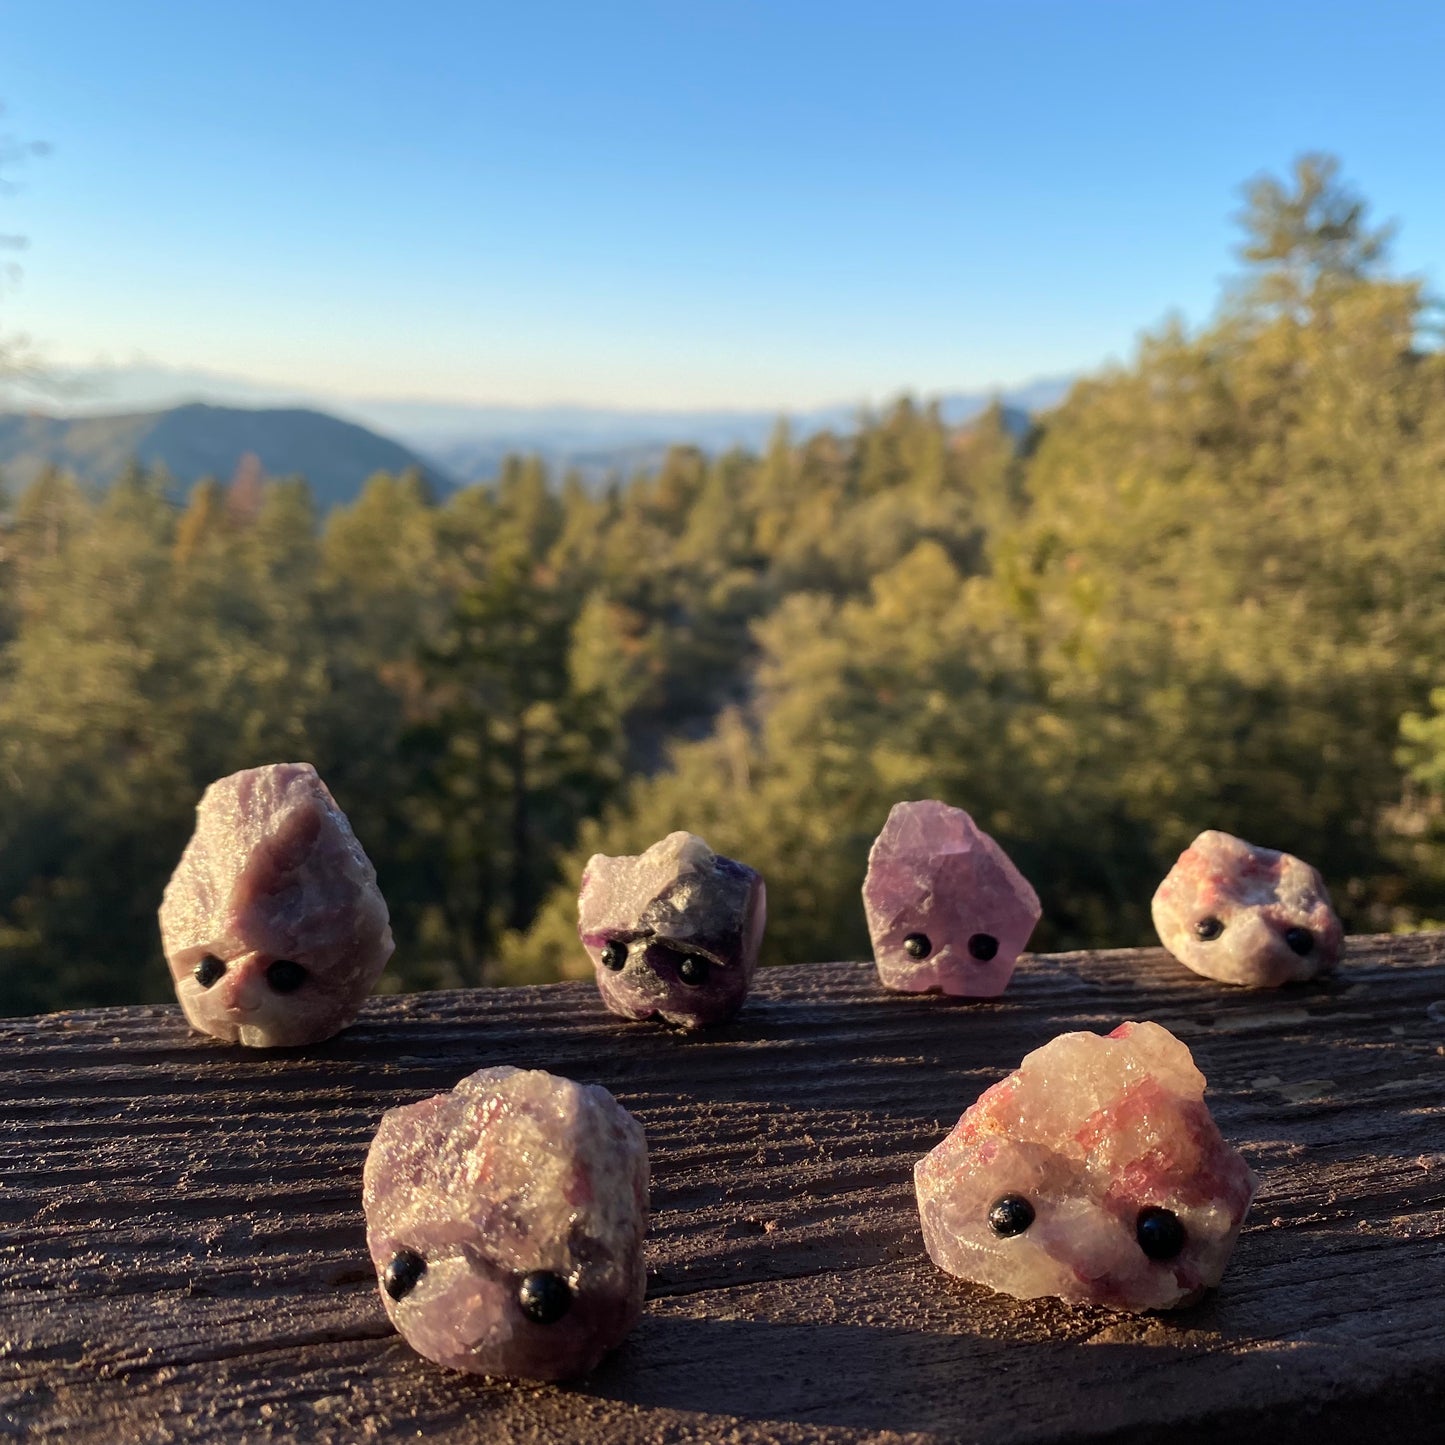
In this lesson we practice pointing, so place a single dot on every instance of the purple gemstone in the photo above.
(272, 923)
(946, 908)
(673, 932)
(505, 1220)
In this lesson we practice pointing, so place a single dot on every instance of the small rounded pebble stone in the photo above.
(406, 1267)
(1161, 1235)
(505, 1221)
(1299, 939)
(1010, 1215)
(614, 955)
(209, 970)
(544, 1297)
(692, 970)
(285, 976)
(916, 945)
(983, 946)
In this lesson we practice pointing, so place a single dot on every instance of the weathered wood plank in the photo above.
(181, 1242)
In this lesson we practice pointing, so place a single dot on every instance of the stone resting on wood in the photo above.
(183, 1254)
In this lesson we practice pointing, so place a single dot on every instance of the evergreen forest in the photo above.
(1208, 590)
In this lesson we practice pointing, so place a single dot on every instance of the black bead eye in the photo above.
(285, 976)
(983, 946)
(401, 1275)
(1010, 1215)
(917, 945)
(614, 954)
(1208, 929)
(692, 970)
(208, 970)
(1301, 940)
(544, 1297)
(1160, 1234)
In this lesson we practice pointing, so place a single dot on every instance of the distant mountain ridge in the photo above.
(198, 440)
(468, 442)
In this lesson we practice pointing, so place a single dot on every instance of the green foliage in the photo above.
(1205, 592)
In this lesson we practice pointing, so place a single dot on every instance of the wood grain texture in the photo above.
(182, 1253)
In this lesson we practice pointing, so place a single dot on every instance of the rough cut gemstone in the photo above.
(1095, 1172)
(673, 932)
(505, 1220)
(1246, 915)
(272, 923)
(947, 909)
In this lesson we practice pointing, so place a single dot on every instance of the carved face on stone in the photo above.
(1094, 1172)
(272, 924)
(505, 1220)
(1246, 915)
(947, 910)
(674, 932)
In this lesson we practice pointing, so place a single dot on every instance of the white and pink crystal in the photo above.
(1246, 915)
(505, 1220)
(272, 924)
(947, 910)
(674, 932)
(1094, 1172)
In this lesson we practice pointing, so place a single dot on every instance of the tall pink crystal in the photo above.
(272, 924)
(1094, 1172)
(946, 908)
(1246, 915)
(506, 1219)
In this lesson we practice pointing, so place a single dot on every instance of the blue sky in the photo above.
(685, 204)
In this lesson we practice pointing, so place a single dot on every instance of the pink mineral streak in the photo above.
(272, 924)
(505, 1220)
(1132, 1197)
(1246, 915)
(947, 910)
(674, 932)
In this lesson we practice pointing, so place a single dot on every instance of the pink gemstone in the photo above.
(947, 909)
(272, 924)
(1094, 1172)
(1246, 915)
(505, 1220)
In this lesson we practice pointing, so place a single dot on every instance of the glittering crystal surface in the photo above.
(273, 873)
(1090, 1131)
(1256, 902)
(513, 1172)
(935, 875)
(680, 912)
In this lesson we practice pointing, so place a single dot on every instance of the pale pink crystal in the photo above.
(936, 879)
(273, 875)
(515, 1175)
(674, 932)
(1090, 1132)
(1246, 915)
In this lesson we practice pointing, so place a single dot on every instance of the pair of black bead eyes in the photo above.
(692, 968)
(1300, 940)
(542, 1296)
(983, 946)
(283, 975)
(1160, 1234)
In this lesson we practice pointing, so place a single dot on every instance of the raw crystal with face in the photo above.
(1246, 915)
(505, 1220)
(1095, 1172)
(946, 908)
(272, 924)
(673, 932)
